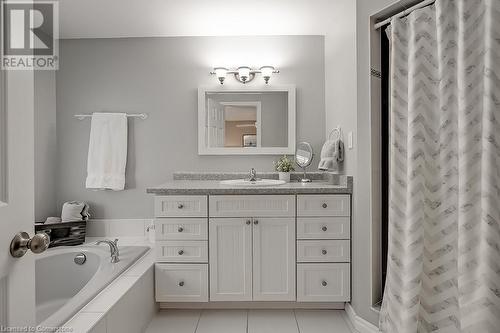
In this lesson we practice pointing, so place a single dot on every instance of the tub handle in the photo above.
(22, 242)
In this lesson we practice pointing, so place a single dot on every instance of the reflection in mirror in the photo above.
(240, 122)
(231, 116)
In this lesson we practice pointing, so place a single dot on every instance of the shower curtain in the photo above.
(444, 216)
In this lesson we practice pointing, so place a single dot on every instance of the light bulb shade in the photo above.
(244, 73)
(221, 73)
(267, 72)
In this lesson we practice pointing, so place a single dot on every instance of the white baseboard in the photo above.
(359, 324)
(252, 305)
(118, 227)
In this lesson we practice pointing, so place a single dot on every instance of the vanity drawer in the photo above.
(182, 251)
(186, 206)
(181, 283)
(323, 205)
(252, 205)
(181, 229)
(323, 227)
(323, 282)
(323, 251)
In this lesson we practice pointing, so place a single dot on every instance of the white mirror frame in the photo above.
(203, 149)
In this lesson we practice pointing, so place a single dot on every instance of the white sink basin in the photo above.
(258, 182)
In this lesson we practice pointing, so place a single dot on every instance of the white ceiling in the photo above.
(136, 18)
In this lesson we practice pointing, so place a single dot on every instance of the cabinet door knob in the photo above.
(324, 205)
(180, 206)
(180, 229)
(324, 283)
(181, 283)
(256, 222)
(248, 222)
(324, 228)
(324, 252)
(181, 252)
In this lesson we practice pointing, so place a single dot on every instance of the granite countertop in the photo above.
(209, 183)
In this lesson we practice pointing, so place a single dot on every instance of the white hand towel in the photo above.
(107, 151)
(332, 155)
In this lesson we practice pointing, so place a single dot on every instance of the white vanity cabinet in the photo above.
(181, 234)
(252, 253)
(243, 248)
(323, 248)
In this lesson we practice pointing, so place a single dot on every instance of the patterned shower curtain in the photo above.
(444, 221)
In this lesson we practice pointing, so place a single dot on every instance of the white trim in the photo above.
(119, 228)
(361, 325)
(253, 305)
(204, 150)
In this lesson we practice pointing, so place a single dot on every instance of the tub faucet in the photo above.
(253, 175)
(113, 247)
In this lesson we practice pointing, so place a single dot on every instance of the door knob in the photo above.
(324, 228)
(181, 252)
(248, 222)
(180, 229)
(181, 283)
(180, 206)
(256, 222)
(324, 205)
(324, 283)
(22, 242)
(324, 252)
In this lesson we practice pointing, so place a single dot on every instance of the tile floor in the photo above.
(249, 321)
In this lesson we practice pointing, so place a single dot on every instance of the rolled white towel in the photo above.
(75, 211)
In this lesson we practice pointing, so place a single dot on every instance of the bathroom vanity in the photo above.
(286, 243)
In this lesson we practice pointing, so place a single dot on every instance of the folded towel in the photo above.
(107, 151)
(75, 211)
(53, 220)
(332, 155)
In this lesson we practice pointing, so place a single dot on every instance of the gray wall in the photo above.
(160, 76)
(45, 145)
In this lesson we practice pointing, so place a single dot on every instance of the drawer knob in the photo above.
(181, 252)
(181, 283)
(324, 205)
(324, 228)
(324, 252)
(248, 222)
(180, 206)
(180, 229)
(256, 222)
(324, 283)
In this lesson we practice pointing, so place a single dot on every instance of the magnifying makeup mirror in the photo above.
(303, 157)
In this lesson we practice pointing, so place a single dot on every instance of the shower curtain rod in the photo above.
(405, 12)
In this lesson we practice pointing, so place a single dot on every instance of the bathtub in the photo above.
(63, 287)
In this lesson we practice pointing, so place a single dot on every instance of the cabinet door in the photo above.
(230, 252)
(274, 259)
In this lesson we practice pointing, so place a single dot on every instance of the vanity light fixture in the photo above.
(244, 74)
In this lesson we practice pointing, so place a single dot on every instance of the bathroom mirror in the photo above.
(246, 121)
(303, 157)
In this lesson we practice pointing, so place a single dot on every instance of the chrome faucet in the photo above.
(113, 247)
(253, 175)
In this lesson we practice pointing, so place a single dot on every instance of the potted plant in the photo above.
(284, 166)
